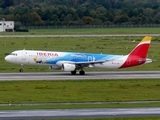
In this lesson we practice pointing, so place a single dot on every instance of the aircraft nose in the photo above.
(7, 58)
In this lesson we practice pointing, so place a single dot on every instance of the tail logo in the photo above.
(138, 55)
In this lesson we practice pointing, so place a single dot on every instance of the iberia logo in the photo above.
(47, 54)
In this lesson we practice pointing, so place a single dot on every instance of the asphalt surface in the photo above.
(87, 76)
(78, 113)
(78, 35)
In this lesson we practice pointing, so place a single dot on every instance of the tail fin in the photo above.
(141, 49)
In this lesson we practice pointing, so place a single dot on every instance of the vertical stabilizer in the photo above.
(138, 55)
(141, 49)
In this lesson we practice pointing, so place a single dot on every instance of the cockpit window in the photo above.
(14, 54)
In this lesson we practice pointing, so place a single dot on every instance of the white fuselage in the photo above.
(50, 58)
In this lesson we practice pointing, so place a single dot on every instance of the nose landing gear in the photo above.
(21, 69)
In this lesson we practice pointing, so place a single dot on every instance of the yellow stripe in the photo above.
(147, 38)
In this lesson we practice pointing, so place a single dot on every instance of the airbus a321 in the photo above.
(71, 61)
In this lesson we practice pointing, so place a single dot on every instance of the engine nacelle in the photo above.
(54, 67)
(68, 67)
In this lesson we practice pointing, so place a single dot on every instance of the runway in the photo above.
(78, 113)
(78, 35)
(88, 76)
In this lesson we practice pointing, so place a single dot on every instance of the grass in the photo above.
(91, 31)
(51, 92)
(109, 45)
(79, 91)
(78, 106)
(97, 31)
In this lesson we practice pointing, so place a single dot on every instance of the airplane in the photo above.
(73, 61)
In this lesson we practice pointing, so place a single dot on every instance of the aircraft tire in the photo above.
(82, 72)
(20, 70)
(73, 72)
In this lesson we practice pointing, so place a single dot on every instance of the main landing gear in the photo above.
(73, 72)
(21, 69)
(82, 72)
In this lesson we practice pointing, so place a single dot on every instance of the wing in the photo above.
(88, 63)
(82, 64)
(91, 62)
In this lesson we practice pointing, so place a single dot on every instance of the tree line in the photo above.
(80, 12)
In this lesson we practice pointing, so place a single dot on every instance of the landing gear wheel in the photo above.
(81, 72)
(20, 70)
(73, 72)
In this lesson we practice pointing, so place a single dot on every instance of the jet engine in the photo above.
(54, 67)
(68, 67)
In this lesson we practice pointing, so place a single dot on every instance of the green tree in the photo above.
(31, 18)
(9, 17)
(35, 18)
(7, 3)
(75, 17)
(75, 11)
(88, 20)
(68, 19)
(124, 11)
(74, 2)
(81, 11)
(157, 18)
(17, 17)
(121, 19)
(55, 20)
(101, 13)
